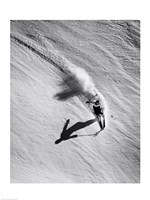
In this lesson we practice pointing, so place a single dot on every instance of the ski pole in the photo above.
(91, 99)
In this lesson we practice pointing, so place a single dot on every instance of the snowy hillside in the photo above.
(46, 58)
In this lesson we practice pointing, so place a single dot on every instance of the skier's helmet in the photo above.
(97, 102)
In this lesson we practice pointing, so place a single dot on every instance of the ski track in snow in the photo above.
(43, 56)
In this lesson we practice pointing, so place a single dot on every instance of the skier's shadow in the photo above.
(66, 133)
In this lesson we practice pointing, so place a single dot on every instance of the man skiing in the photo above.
(99, 112)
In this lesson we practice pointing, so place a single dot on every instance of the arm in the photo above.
(90, 102)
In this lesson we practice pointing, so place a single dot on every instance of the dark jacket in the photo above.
(97, 109)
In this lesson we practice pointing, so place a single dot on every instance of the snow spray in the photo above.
(78, 82)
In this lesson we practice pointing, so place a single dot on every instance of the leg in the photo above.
(99, 121)
(103, 121)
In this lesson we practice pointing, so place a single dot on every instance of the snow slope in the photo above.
(42, 100)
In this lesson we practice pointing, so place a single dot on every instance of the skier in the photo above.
(99, 112)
